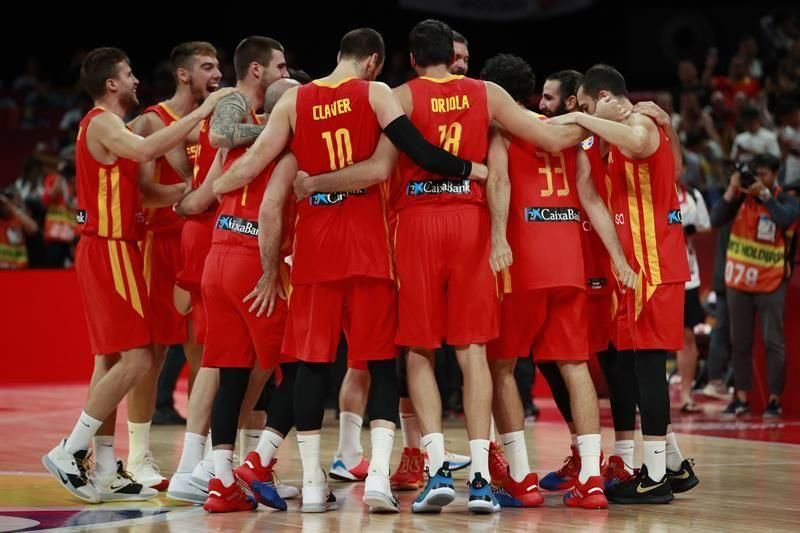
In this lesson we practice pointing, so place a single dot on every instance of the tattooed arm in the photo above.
(228, 129)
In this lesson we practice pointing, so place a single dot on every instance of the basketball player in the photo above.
(109, 265)
(259, 62)
(196, 72)
(649, 320)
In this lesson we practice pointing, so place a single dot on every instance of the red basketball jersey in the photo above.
(647, 213)
(164, 219)
(340, 234)
(204, 155)
(451, 113)
(109, 203)
(544, 218)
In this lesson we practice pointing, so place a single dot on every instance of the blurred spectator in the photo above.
(788, 115)
(748, 51)
(755, 139)
(695, 121)
(780, 31)
(757, 272)
(695, 219)
(724, 120)
(719, 349)
(664, 101)
(689, 82)
(61, 202)
(737, 81)
(30, 78)
(15, 225)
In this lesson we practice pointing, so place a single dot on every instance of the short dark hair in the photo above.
(569, 81)
(299, 75)
(766, 160)
(181, 55)
(361, 43)
(603, 78)
(99, 65)
(459, 38)
(750, 113)
(253, 48)
(431, 43)
(512, 73)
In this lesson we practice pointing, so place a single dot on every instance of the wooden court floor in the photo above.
(745, 485)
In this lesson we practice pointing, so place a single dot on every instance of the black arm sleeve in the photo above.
(410, 141)
(724, 211)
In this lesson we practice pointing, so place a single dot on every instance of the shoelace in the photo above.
(569, 465)
(405, 463)
(85, 467)
(150, 461)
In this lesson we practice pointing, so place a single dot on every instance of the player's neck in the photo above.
(434, 71)
(253, 93)
(182, 102)
(113, 105)
(344, 70)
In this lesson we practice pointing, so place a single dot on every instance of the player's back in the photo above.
(650, 229)
(544, 218)
(339, 234)
(109, 203)
(452, 113)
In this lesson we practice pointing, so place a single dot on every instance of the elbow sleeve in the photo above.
(408, 139)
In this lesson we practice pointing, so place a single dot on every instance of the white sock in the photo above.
(492, 432)
(105, 462)
(479, 451)
(309, 456)
(268, 446)
(209, 448)
(411, 432)
(517, 454)
(574, 438)
(434, 446)
(350, 450)
(138, 441)
(382, 442)
(82, 433)
(248, 441)
(624, 450)
(655, 458)
(192, 451)
(674, 457)
(223, 466)
(589, 450)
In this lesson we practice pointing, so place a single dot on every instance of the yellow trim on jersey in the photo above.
(102, 205)
(507, 281)
(451, 77)
(244, 195)
(116, 208)
(321, 83)
(170, 112)
(126, 260)
(633, 214)
(651, 243)
(116, 271)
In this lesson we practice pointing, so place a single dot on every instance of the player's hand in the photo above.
(652, 110)
(264, 294)
(626, 276)
(301, 185)
(501, 257)
(609, 108)
(479, 172)
(210, 102)
(563, 120)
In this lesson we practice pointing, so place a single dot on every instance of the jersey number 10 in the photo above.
(340, 150)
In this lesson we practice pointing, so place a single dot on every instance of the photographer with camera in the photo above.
(757, 272)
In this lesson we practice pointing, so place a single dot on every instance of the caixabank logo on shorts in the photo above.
(674, 217)
(552, 214)
(332, 198)
(418, 188)
(237, 225)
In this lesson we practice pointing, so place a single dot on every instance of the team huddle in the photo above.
(256, 224)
